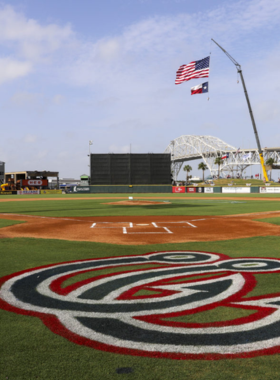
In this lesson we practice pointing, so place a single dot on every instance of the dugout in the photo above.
(130, 169)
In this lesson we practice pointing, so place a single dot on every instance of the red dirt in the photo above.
(141, 229)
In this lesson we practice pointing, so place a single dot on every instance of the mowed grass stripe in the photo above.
(101, 207)
(140, 195)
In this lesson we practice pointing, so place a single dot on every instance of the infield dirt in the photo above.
(141, 229)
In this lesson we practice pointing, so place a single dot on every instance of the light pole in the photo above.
(89, 153)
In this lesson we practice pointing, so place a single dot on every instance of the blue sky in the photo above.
(73, 71)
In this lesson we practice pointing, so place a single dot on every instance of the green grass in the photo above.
(136, 195)
(29, 350)
(102, 207)
(7, 223)
(219, 314)
(270, 220)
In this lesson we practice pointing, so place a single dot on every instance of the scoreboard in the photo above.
(130, 169)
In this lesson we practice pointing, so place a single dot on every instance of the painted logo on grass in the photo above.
(151, 305)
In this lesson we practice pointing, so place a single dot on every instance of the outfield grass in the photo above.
(138, 195)
(29, 350)
(102, 207)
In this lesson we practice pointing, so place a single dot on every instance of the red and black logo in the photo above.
(151, 310)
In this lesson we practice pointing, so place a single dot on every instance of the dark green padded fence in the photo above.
(217, 189)
(125, 189)
(255, 189)
(130, 189)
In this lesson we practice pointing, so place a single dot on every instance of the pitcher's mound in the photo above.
(137, 203)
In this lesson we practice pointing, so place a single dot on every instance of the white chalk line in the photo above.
(191, 225)
(100, 225)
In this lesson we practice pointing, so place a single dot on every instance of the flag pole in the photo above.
(238, 67)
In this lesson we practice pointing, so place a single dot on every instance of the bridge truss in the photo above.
(208, 148)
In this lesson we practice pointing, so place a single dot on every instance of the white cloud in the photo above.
(129, 94)
(33, 40)
(11, 69)
(144, 58)
(150, 51)
(30, 139)
(27, 43)
(108, 49)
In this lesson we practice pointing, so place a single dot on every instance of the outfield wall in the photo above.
(130, 189)
(30, 192)
(152, 189)
(95, 189)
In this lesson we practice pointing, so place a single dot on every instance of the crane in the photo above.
(238, 67)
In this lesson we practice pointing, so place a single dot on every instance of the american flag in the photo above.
(195, 69)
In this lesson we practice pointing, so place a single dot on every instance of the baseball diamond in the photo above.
(139, 285)
(141, 229)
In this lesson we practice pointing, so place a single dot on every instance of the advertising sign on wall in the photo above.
(22, 192)
(191, 190)
(200, 189)
(81, 189)
(270, 190)
(178, 189)
(240, 190)
(50, 191)
(208, 189)
(34, 182)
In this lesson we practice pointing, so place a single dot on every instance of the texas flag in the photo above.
(199, 89)
(225, 156)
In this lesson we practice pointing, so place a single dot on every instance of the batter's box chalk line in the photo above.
(129, 227)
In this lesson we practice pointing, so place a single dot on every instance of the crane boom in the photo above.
(238, 67)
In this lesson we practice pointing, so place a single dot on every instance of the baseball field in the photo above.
(168, 286)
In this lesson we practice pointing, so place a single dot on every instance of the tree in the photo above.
(187, 168)
(202, 166)
(218, 161)
(269, 162)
